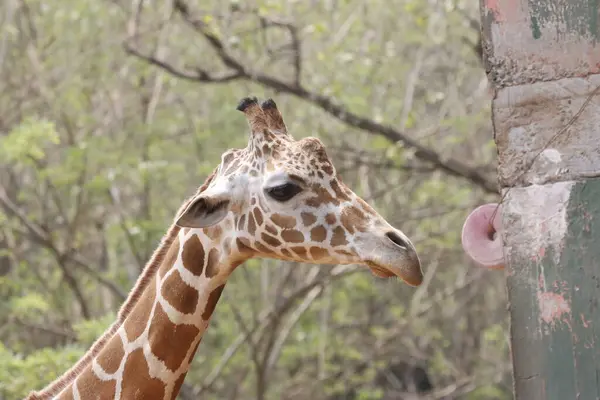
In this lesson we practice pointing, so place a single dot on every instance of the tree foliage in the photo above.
(111, 115)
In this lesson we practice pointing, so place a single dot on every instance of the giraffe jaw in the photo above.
(410, 278)
(389, 253)
(380, 271)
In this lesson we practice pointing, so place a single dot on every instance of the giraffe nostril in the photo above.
(397, 240)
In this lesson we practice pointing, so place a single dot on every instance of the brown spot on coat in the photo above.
(242, 223)
(284, 221)
(258, 216)
(170, 258)
(111, 355)
(179, 294)
(330, 218)
(214, 232)
(193, 255)
(339, 191)
(287, 253)
(227, 157)
(300, 251)
(321, 196)
(292, 236)
(353, 220)
(262, 248)
(243, 246)
(327, 168)
(308, 219)
(177, 385)
(271, 229)
(212, 263)
(318, 233)
(232, 167)
(137, 383)
(168, 341)
(339, 237)
(343, 252)
(318, 252)
(92, 387)
(270, 240)
(211, 303)
(251, 224)
(136, 321)
(193, 353)
(365, 206)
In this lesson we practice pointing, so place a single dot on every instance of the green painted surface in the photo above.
(555, 319)
(581, 261)
(565, 16)
(535, 27)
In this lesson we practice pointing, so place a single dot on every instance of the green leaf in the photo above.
(88, 331)
(28, 140)
(31, 304)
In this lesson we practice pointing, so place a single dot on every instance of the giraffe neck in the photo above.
(149, 353)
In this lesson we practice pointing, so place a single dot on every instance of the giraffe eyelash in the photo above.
(284, 192)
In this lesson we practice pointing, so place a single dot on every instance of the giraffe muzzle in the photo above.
(394, 256)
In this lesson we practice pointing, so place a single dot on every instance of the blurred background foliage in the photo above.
(113, 112)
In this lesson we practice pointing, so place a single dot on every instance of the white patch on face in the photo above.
(233, 187)
(276, 178)
(239, 186)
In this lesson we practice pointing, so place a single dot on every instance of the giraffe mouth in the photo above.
(379, 270)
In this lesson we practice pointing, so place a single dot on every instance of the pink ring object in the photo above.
(482, 242)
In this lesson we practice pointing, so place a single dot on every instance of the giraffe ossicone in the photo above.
(277, 198)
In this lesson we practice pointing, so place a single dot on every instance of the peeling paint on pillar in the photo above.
(576, 17)
(528, 41)
(527, 119)
(543, 59)
(552, 245)
(536, 215)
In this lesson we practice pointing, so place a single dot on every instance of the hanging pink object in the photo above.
(481, 237)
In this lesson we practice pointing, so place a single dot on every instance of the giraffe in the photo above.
(277, 198)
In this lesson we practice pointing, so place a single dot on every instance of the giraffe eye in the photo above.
(284, 192)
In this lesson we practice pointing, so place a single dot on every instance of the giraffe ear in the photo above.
(204, 211)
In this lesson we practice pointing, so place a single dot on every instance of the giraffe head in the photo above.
(282, 198)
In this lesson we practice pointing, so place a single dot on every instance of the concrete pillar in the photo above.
(543, 58)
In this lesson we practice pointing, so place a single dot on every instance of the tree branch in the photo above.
(238, 71)
(266, 318)
(38, 235)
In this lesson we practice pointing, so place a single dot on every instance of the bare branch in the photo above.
(38, 235)
(265, 319)
(289, 325)
(237, 70)
(54, 330)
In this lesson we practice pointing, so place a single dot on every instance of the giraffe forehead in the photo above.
(265, 162)
(265, 153)
(305, 165)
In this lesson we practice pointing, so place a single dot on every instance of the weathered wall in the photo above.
(528, 41)
(533, 144)
(542, 57)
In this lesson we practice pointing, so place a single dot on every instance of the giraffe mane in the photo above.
(140, 285)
